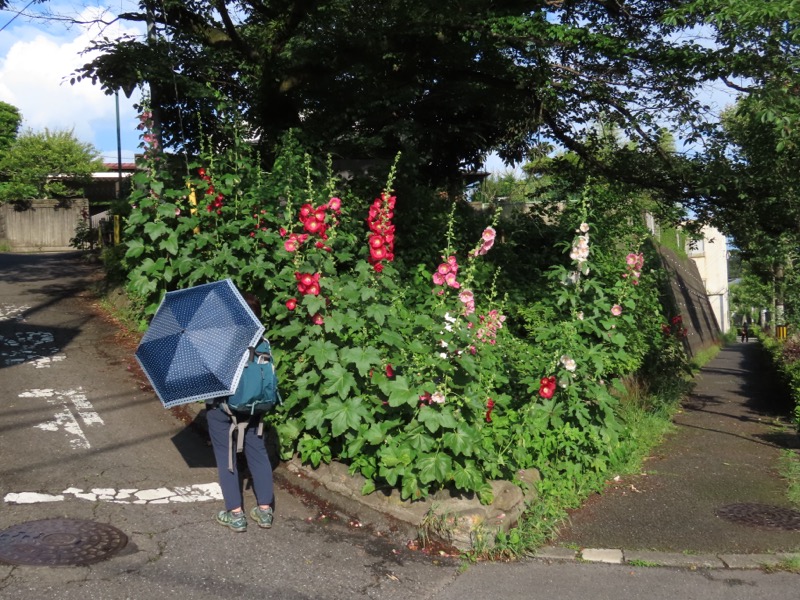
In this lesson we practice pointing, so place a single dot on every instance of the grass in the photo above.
(790, 564)
(642, 563)
(789, 468)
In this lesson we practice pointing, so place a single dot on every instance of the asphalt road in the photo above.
(82, 438)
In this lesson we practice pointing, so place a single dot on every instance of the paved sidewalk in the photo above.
(725, 452)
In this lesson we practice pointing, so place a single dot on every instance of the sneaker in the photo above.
(262, 517)
(234, 521)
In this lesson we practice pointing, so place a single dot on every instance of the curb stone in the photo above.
(457, 519)
(649, 558)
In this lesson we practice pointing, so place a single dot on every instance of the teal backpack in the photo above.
(256, 395)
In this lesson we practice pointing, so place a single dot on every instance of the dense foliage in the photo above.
(444, 82)
(47, 164)
(446, 373)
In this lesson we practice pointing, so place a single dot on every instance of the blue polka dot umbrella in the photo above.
(196, 345)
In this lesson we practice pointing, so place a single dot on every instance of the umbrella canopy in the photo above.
(196, 345)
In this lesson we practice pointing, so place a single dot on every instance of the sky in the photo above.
(36, 60)
(37, 57)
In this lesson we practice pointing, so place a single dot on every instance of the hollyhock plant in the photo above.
(381, 238)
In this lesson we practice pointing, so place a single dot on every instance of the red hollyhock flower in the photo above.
(378, 267)
(317, 319)
(389, 371)
(282, 231)
(291, 303)
(547, 387)
(305, 211)
(489, 409)
(376, 241)
(378, 253)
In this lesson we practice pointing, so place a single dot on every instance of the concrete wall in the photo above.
(41, 225)
(691, 302)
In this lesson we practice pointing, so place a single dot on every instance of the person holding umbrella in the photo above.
(219, 430)
(196, 349)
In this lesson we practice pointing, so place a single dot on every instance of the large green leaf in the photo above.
(338, 381)
(322, 351)
(400, 393)
(363, 358)
(434, 468)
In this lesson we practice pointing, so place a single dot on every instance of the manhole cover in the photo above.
(59, 543)
(761, 515)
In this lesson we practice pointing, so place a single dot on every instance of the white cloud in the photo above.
(34, 76)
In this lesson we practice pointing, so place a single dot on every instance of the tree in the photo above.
(47, 164)
(444, 82)
(10, 120)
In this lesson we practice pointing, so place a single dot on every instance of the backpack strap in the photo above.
(237, 427)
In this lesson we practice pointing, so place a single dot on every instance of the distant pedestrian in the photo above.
(219, 429)
(745, 333)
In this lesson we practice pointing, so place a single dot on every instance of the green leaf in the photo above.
(155, 230)
(430, 418)
(400, 394)
(462, 441)
(323, 352)
(368, 487)
(363, 358)
(378, 312)
(434, 468)
(135, 249)
(338, 381)
(420, 440)
(314, 416)
(392, 338)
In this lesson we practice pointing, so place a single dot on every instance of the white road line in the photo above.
(201, 492)
(66, 419)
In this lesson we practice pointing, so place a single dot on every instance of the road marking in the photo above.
(200, 492)
(65, 419)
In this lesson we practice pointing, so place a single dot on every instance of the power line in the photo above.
(19, 12)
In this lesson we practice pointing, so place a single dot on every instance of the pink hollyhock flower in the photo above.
(290, 245)
(335, 204)
(616, 310)
(450, 279)
(584, 227)
(438, 279)
(489, 234)
(631, 259)
(443, 269)
(466, 296)
(282, 231)
(438, 398)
